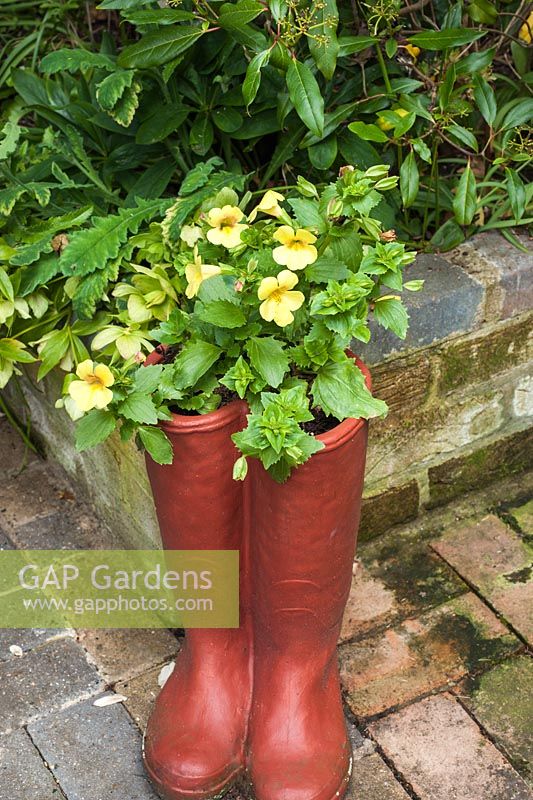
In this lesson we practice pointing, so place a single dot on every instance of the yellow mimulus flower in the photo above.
(92, 391)
(413, 51)
(269, 204)
(226, 226)
(278, 300)
(526, 30)
(297, 250)
(196, 273)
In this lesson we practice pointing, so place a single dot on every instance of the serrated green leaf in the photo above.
(268, 358)
(139, 407)
(147, 379)
(157, 444)
(340, 390)
(91, 249)
(77, 60)
(392, 315)
(10, 134)
(306, 96)
(94, 428)
(223, 313)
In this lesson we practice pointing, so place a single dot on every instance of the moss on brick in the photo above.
(479, 359)
(382, 511)
(495, 461)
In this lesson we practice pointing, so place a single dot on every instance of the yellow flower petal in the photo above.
(284, 234)
(287, 279)
(295, 258)
(268, 309)
(82, 394)
(305, 236)
(267, 286)
(526, 30)
(85, 369)
(104, 375)
(269, 204)
(102, 397)
(293, 300)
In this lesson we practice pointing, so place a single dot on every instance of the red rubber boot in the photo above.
(302, 549)
(194, 744)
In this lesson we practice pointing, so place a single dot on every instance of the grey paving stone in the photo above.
(23, 773)
(373, 780)
(69, 529)
(121, 653)
(94, 753)
(5, 542)
(36, 492)
(44, 680)
(448, 304)
(26, 639)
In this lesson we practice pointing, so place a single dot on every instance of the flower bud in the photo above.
(346, 169)
(335, 207)
(386, 183)
(388, 236)
(378, 171)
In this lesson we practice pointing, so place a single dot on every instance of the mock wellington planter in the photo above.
(264, 698)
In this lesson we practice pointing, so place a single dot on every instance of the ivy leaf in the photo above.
(268, 359)
(409, 180)
(340, 390)
(157, 444)
(392, 315)
(90, 249)
(465, 200)
(66, 60)
(306, 96)
(193, 362)
(139, 407)
(323, 43)
(160, 46)
(223, 313)
(94, 428)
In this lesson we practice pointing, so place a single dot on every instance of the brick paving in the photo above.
(434, 653)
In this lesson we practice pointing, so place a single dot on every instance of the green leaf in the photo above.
(39, 274)
(94, 428)
(463, 135)
(139, 407)
(268, 359)
(340, 390)
(448, 37)
(237, 15)
(6, 287)
(465, 200)
(483, 11)
(447, 236)
(392, 315)
(13, 350)
(199, 175)
(521, 113)
(118, 95)
(90, 249)
(307, 214)
(193, 362)
(53, 351)
(161, 122)
(157, 16)
(252, 80)
(10, 135)
(350, 45)
(370, 133)
(306, 96)
(517, 193)
(323, 154)
(147, 379)
(409, 180)
(485, 99)
(201, 135)
(160, 46)
(322, 40)
(157, 444)
(67, 60)
(223, 313)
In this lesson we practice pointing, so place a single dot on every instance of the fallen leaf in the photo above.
(109, 700)
(16, 650)
(165, 673)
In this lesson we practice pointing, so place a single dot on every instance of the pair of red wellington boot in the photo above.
(263, 699)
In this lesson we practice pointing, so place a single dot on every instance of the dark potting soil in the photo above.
(320, 422)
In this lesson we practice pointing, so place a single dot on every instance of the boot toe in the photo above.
(300, 778)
